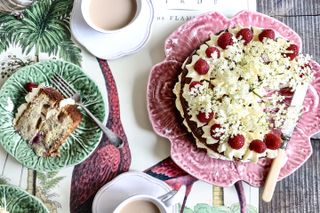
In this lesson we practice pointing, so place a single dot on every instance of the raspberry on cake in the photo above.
(46, 119)
(234, 92)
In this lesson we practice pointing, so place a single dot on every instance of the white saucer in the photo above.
(126, 185)
(113, 45)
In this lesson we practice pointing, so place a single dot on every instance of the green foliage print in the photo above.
(46, 183)
(205, 208)
(44, 28)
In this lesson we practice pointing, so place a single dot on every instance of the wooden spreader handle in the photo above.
(273, 175)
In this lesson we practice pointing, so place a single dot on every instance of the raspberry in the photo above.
(29, 86)
(224, 40)
(38, 138)
(236, 142)
(213, 132)
(203, 118)
(294, 51)
(193, 84)
(258, 146)
(211, 50)
(286, 91)
(272, 141)
(201, 66)
(245, 34)
(267, 33)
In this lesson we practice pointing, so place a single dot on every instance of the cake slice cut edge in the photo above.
(44, 123)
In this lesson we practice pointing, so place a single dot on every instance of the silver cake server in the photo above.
(287, 130)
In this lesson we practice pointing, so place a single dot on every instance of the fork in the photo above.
(69, 92)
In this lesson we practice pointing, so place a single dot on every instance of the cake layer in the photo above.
(46, 120)
(35, 111)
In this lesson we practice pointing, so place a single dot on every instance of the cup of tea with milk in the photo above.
(142, 203)
(109, 16)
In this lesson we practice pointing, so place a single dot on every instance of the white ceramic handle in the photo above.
(273, 175)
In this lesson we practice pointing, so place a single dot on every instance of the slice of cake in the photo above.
(46, 120)
(3, 210)
(235, 89)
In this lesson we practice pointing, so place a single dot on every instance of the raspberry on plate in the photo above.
(294, 51)
(201, 66)
(224, 40)
(245, 34)
(236, 142)
(194, 84)
(214, 134)
(258, 146)
(267, 33)
(272, 141)
(203, 118)
(30, 85)
(211, 50)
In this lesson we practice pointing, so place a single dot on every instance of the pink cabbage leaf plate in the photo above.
(167, 122)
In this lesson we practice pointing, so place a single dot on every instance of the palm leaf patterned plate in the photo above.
(79, 145)
(15, 200)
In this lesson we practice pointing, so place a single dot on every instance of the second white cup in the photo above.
(141, 203)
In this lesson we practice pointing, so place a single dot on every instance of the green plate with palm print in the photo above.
(16, 200)
(79, 145)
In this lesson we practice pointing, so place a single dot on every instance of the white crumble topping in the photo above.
(242, 89)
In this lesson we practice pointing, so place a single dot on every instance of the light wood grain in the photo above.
(300, 192)
(273, 175)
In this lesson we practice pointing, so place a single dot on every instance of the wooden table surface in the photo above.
(300, 192)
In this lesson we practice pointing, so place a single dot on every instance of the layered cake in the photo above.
(234, 92)
(46, 120)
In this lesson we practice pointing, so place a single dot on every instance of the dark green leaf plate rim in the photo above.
(20, 201)
(80, 144)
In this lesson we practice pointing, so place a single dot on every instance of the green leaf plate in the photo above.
(19, 201)
(79, 145)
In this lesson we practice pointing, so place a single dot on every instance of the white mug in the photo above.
(85, 10)
(162, 208)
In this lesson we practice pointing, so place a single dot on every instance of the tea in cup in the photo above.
(109, 15)
(141, 203)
